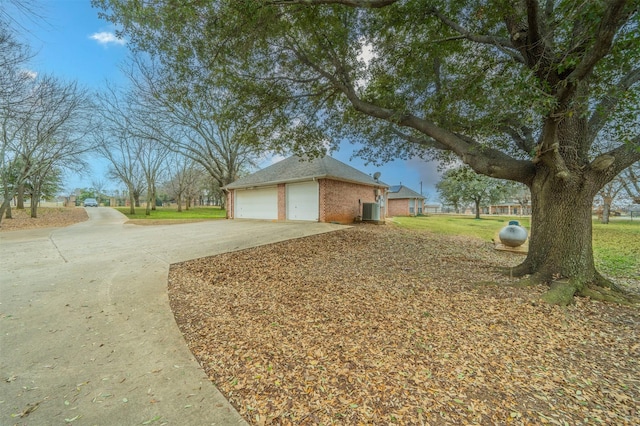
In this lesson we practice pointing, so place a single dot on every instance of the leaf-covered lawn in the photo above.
(47, 217)
(380, 325)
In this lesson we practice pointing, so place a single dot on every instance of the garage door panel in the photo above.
(261, 203)
(303, 201)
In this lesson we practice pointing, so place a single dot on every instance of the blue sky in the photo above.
(74, 44)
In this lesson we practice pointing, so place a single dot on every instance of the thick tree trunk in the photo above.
(132, 201)
(147, 211)
(35, 200)
(154, 201)
(477, 201)
(5, 209)
(20, 197)
(606, 209)
(560, 242)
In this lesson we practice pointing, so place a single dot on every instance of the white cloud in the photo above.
(106, 38)
(365, 57)
(30, 74)
(366, 53)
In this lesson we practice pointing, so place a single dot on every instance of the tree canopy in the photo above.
(475, 79)
(461, 186)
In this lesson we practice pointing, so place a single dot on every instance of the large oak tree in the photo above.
(519, 90)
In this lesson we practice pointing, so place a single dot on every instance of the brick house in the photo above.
(402, 201)
(321, 190)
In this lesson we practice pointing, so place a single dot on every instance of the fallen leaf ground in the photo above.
(47, 217)
(379, 325)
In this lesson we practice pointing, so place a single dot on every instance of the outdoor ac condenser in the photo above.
(370, 211)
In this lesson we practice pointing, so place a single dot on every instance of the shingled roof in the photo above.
(401, 191)
(297, 169)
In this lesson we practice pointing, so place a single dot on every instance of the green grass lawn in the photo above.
(172, 213)
(616, 246)
(485, 228)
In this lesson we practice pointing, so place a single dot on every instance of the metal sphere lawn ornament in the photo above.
(513, 235)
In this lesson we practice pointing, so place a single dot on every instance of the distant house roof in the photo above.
(296, 169)
(401, 191)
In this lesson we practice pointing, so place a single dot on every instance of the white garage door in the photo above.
(302, 201)
(261, 203)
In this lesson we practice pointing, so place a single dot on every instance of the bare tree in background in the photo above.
(123, 156)
(152, 156)
(44, 120)
(119, 146)
(192, 120)
(12, 10)
(13, 93)
(183, 176)
(631, 182)
(47, 130)
(99, 185)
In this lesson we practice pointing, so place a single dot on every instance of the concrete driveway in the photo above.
(86, 333)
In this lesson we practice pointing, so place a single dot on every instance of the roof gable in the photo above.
(401, 191)
(296, 168)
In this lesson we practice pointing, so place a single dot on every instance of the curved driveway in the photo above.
(86, 333)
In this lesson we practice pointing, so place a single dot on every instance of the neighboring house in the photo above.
(507, 209)
(402, 201)
(431, 208)
(322, 190)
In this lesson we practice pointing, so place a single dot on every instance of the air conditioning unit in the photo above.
(370, 211)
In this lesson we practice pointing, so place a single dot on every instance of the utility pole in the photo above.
(420, 187)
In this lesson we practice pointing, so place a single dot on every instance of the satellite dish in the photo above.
(376, 175)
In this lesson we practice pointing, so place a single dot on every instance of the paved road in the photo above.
(86, 333)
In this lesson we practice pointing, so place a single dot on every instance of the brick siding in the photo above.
(342, 201)
(282, 201)
(339, 201)
(398, 207)
(230, 203)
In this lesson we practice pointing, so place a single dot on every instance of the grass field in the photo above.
(616, 246)
(171, 213)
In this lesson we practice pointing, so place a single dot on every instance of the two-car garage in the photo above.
(320, 189)
(301, 201)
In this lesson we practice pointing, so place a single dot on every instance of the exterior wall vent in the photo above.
(370, 211)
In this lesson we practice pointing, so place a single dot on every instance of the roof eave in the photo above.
(303, 179)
